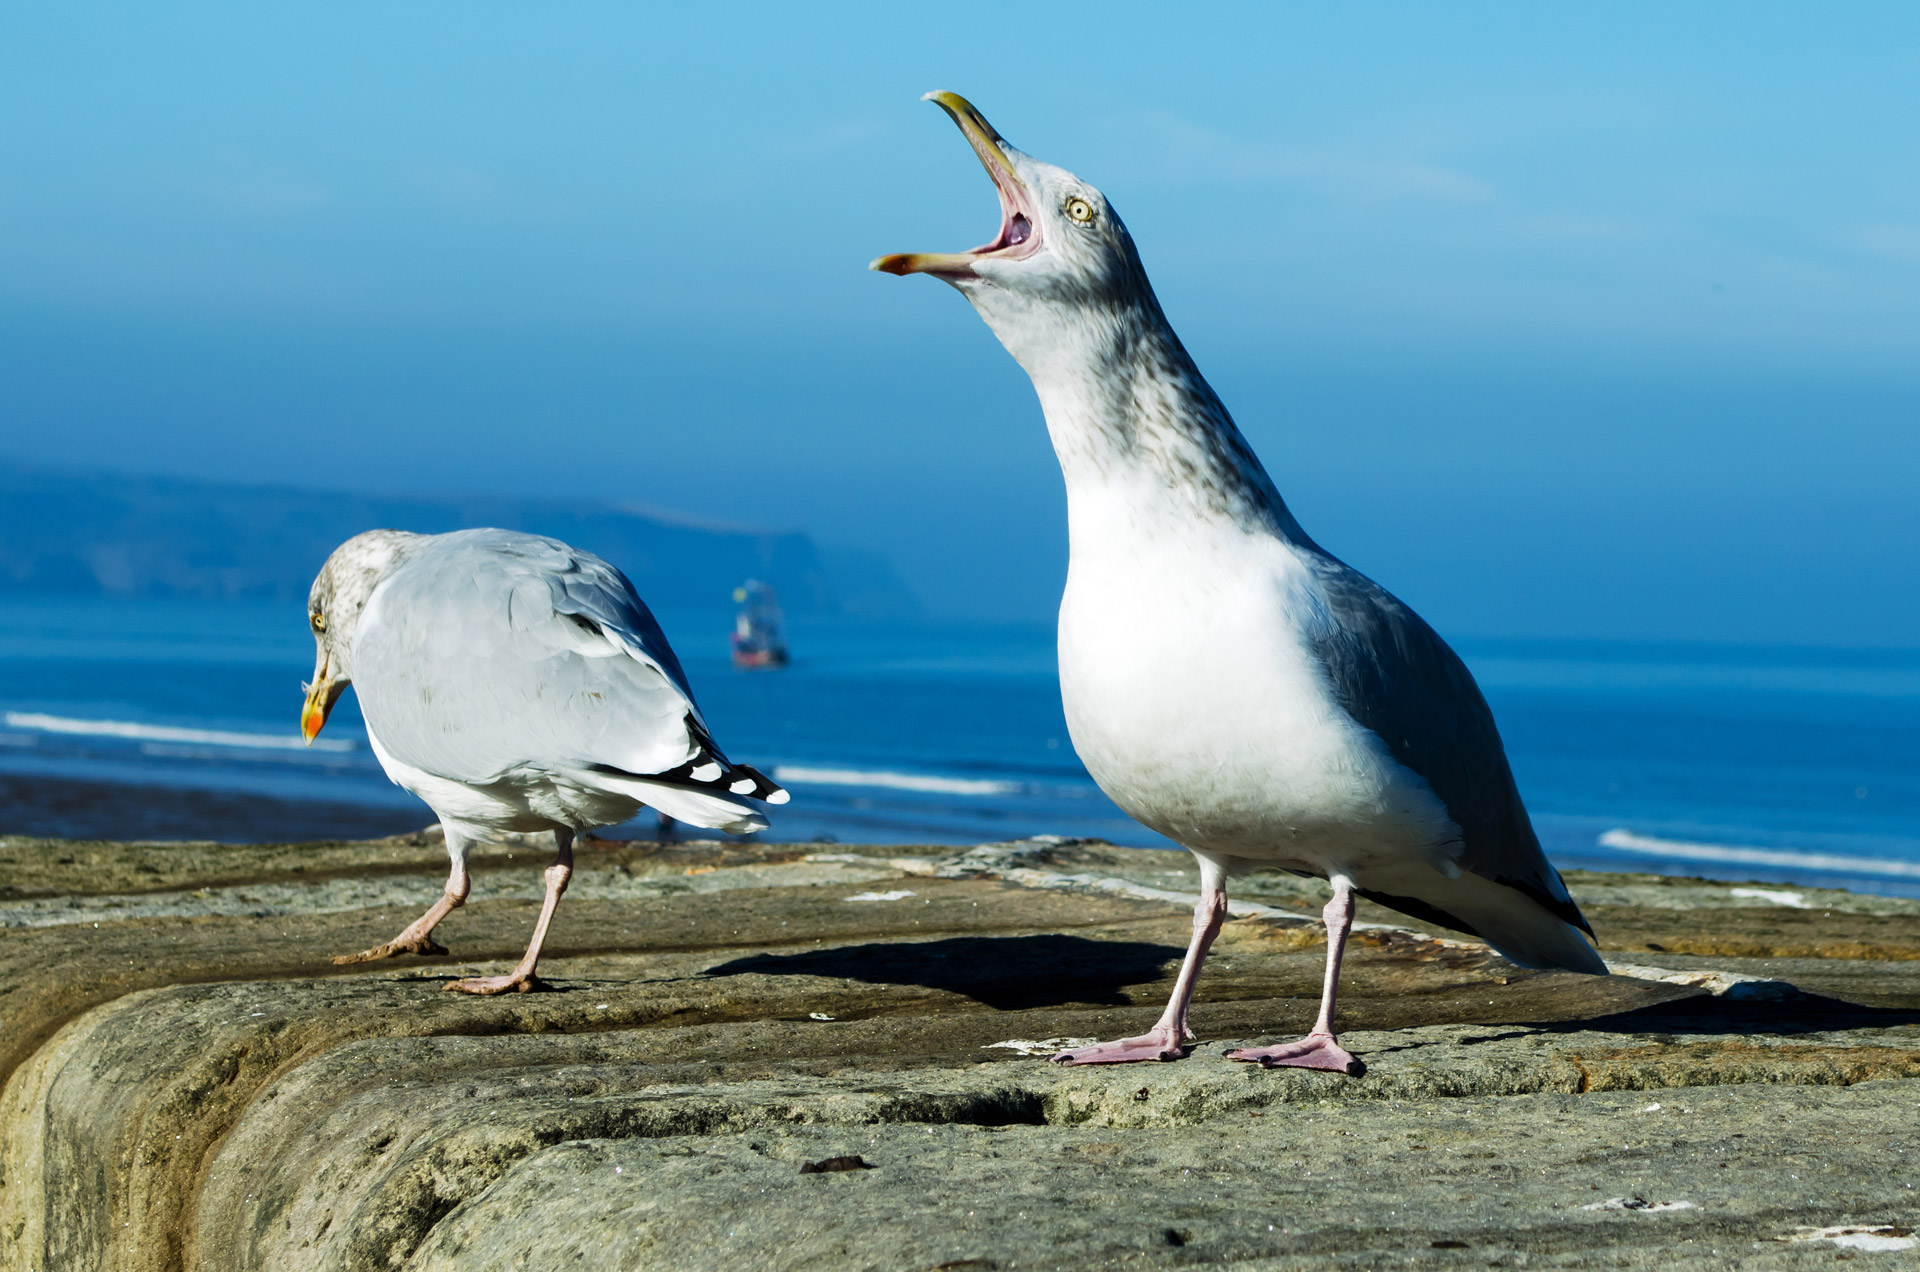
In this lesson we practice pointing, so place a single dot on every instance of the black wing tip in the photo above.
(765, 788)
(719, 774)
(711, 771)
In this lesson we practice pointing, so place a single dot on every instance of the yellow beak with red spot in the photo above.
(321, 695)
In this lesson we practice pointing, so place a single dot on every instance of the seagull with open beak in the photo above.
(1227, 681)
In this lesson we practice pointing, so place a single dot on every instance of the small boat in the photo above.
(757, 639)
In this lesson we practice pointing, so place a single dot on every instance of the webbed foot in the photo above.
(1315, 1051)
(1157, 1044)
(392, 949)
(512, 983)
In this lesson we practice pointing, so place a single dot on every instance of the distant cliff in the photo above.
(97, 532)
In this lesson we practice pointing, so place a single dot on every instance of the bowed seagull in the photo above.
(514, 684)
(1226, 680)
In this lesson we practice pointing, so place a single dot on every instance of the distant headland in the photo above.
(96, 532)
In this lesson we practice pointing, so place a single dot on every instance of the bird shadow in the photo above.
(1008, 973)
(1707, 1016)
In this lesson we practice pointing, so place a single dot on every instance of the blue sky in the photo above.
(1596, 322)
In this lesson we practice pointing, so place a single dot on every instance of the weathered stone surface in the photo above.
(1458, 1183)
(74, 868)
(191, 1084)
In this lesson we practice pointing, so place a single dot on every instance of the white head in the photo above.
(1063, 268)
(1063, 288)
(334, 604)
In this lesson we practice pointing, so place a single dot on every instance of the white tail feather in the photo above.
(1513, 923)
(710, 809)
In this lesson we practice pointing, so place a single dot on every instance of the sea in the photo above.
(173, 718)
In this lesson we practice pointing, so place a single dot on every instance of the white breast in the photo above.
(1195, 701)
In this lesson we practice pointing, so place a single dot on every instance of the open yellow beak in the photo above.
(1019, 229)
(313, 716)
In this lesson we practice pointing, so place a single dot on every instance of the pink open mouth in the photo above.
(1017, 238)
(1019, 235)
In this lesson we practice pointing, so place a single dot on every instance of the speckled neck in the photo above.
(1124, 401)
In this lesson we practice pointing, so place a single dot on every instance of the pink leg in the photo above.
(417, 938)
(1168, 1039)
(1318, 1050)
(521, 979)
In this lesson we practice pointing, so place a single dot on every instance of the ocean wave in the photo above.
(808, 775)
(1627, 841)
(166, 733)
(1600, 675)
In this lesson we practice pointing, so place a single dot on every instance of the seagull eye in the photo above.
(319, 621)
(1080, 210)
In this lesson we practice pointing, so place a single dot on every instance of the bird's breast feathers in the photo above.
(1195, 701)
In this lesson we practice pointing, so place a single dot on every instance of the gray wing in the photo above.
(1394, 675)
(490, 650)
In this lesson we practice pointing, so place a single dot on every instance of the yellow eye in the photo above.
(1080, 210)
(319, 621)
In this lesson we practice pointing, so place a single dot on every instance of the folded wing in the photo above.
(1394, 675)
(490, 651)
